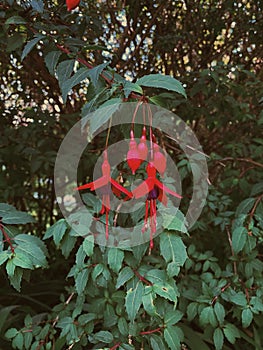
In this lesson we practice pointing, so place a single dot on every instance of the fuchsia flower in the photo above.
(154, 189)
(104, 183)
(72, 4)
(133, 157)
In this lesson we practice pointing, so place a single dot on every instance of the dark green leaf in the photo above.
(247, 317)
(125, 275)
(30, 45)
(115, 258)
(162, 81)
(239, 239)
(95, 72)
(218, 338)
(133, 300)
(173, 337)
(51, 60)
(172, 248)
(104, 336)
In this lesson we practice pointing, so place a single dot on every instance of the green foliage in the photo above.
(197, 290)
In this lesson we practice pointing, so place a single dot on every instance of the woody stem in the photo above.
(7, 238)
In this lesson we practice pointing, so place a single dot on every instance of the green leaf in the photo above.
(239, 239)
(218, 338)
(231, 333)
(192, 311)
(245, 206)
(33, 248)
(11, 333)
(4, 256)
(124, 276)
(172, 248)
(123, 326)
(128, 87)
(67, 244)
(18, 341)
(220, 312)
(172, 317)
(162, 81)
(148, 302)
(16, 20)
(239, 299)
(115, 259)
(22, 260)
(208, 316)
(37, 5)
(95, 72)
(30, 45)
(88, 245)
(103, 114)
(5, 313)
(104, 336)
(247, 317)
(166, 291)
(133, 300)
(16, 278)
(175, 222)
(15, 217)
(82, 280)
(57, 231)
(64, 71)
(51, 60)
(68, 84)
(157, 342)
(173, 269)
(173, 337)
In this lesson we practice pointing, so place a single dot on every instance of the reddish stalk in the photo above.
(152, 331)
(7, 238)
(141, 278)
(115, 346)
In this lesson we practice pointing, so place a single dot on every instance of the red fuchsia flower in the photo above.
(155, 190)
(104, 183)
(133, 157)
(72, 4)
(142, 147)
(159, 160)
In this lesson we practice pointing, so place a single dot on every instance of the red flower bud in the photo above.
(133, 157)
(142, 147)
(72, 4)
(159, 160)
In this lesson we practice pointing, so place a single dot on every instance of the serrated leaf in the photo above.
(64, 71)
(67, 244)
(162, 81)
(31, 247)
(30, 45)
(77, 78)
(231, 333)
(157, 342)
(192, 310)
(148, 302)
(15, 20)
(172, 317)
(51, 60)
(124, 276)
(115, 259)
(172, 336)
(239, 299)
(239, 239)
(22, 260)
(81, 280)
(128, 87)
(133, 300)
(103, 114)
(13, 217)
(104, 336)
(95, 72)
(166, 291)
(247, 317)
(245, 206)
(218, 338)
(175, 222)
(172, 248)
(220, 312)
(88, 245)
(4, 256)
(57, 231)
(16, 278)
(11, 333)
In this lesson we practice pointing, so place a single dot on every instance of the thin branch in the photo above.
(232, 250)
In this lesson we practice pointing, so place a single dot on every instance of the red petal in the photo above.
(120, 188)
(144, 188)
(166, 189)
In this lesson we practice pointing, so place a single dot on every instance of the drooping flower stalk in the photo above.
(142, 147)
(104, 183)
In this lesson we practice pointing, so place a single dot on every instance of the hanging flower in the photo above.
(133, 157)
(72, 4)
(142, 147)
(159, 159)
(104, 184)
(155, 190)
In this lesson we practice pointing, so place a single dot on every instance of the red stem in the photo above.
(115, 346)
(141, 278)
(7, 238)
(152, 331)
